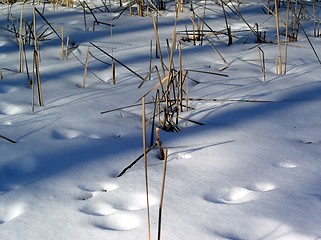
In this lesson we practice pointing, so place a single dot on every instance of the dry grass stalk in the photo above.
(152, 118)
(316, 29)
(169, 78)
(155, 87)
(148, 76)
(186, 91)
(181, 73)
(277, 23)
(216, 50)
(228, 28)
(35, 70)
(203, 22)
(159, 145)
(197, 28)
(160, 80)
(154, 7)
(303, 6)
(62, 44)
(145, 166)
(267, 7)
(21, 47)
(193, 24)
(75, 56)
(150, 57)
(113, 66)
(314, 17)
(296, 21)
(85, 20)
(160, 209)
(236, 11)
(158, 48)
(55, 4)
(158, 103)
(181, 5)
(67, 47)
(262, 62)
(86, 67)
(173, 45)
(36, 64)
(286, 36)
(316, 32)
(35, 30)
(33, 90)
(168, 50)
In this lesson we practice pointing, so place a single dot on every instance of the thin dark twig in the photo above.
(8, 139)
(306, 35)
(129, 69)
(199, 71)
(136, 160)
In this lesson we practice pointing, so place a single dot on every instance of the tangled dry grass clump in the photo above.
(61, 2)
(9, 1)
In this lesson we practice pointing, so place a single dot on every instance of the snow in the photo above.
(252, 171)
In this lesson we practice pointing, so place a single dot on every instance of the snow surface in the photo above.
(253, 171)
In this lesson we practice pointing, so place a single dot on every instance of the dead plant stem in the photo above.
(160, 210)
(145, 167)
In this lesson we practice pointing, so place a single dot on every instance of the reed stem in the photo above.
(86, 67)
(145, 167)
(160, 210)
(277, 23)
